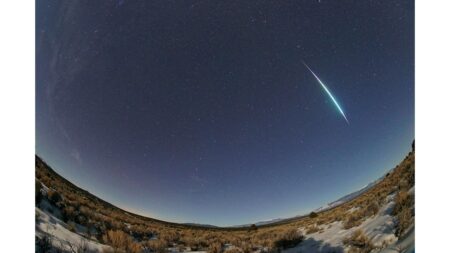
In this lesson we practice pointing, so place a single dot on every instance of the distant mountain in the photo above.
(268, 222)
(260, 223)
(200, 225)
(338, 202)
(350, 196)
(42, 166)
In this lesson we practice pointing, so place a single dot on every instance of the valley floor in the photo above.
(380, 229)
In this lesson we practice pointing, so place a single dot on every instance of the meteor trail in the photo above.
(328, 92)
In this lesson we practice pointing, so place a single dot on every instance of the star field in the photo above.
(202, 111)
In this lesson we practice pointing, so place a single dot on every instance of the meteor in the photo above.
(328, 92)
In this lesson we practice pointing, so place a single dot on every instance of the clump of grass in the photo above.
(290, 239)
(157, 246)
(372, 208)
(54, 196)
(215, 247)
(71, 226)
(367, 209)
(402, 200)
(121, 242)
(359, 242)
(312, 229)
(353, 219)
(404, 220)
(234, 250)
(313, 215)
(402, 211)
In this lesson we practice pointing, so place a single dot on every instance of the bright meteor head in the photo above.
(328, 92)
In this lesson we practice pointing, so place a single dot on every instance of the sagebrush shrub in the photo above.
(215, 248)
(360, 241)
(313, 215)
(289, 239)
(404, 219)
(37, 192)
(121, 242)
(402, 200)
(157, 246)
(54, 196)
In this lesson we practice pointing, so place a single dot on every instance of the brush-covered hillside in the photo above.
(379, 219)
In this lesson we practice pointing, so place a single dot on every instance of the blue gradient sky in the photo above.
(193, 111)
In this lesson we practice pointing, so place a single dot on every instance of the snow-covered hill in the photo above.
(57, 232)
(349, 196)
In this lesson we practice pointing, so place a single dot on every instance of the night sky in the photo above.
(202, 111)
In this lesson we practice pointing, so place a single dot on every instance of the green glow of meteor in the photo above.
(328, 92)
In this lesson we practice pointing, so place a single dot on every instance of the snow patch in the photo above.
(49, 225)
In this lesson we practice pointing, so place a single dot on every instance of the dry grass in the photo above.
(85, 209)
(291, 238)
(359, 242)
(402, 200)
(121, 242)
(312, 229)
(54, 196)
(354, 219)
(215, 247)
(157, 246)
(403, 212)
(404, 220)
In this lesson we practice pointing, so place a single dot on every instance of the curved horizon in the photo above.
(243, 225)
(204, 112)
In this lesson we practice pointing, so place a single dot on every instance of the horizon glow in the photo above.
(176, 111)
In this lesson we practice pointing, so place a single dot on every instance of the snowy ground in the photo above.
(48, 224)
(62, 237)
(379, 228)
(175, 250)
